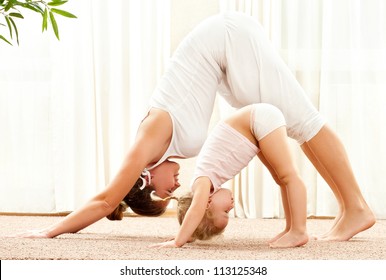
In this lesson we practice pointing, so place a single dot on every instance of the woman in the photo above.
(228, 53)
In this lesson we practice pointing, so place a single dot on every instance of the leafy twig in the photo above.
(11, 10)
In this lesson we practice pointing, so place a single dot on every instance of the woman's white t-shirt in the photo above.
(230, 54)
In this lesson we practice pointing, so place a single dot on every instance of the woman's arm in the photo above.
(152, 140)
(98, 207)
(194, 215)
(102, 204)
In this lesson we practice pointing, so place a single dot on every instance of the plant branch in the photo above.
(11, 10)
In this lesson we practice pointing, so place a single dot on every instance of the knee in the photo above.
(286, 178)
(278, 181)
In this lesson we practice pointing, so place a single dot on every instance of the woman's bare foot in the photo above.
(290, 239)
(350, 224)
(334, 223)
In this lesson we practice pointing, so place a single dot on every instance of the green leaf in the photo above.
(56, 3)
(54, 25)
(9, 5)
(37, 6)
(16, 15)
(16, 32)
(9, 26)
(45, 17)
(33, 6)
(63, 13)
(2, 38)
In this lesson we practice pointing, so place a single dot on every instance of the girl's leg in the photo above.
(284, 198)
(276, 151)
(326, 149)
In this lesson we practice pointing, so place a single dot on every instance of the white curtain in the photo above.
(69, 110)
(337, 51)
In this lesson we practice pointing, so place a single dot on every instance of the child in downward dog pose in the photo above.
(257, 129)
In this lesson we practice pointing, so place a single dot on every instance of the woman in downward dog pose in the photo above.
(231, 54)
(257, 129)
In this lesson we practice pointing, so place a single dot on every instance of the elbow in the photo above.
(107, 207)
(113, 212)
(105, 204)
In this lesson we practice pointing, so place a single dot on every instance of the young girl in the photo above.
(257, 129)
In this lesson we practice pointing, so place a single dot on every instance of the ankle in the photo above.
(300, 231)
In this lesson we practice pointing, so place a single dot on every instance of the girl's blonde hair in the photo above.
(206, 229)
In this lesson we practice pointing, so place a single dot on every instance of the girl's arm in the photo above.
(196, 211)
(194, 215)
(152, 140)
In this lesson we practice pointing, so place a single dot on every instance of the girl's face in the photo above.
(164, 178)
(220, 203)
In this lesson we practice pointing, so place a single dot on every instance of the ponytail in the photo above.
(117, 214)
(139, 200)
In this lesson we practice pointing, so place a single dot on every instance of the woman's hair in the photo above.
(140, 202)
(206, 229)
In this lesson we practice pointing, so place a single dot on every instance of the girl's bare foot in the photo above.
(278, 236)
(290, 239)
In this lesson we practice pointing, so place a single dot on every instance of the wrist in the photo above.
(179, 243)
(47, 233)
(50, 232)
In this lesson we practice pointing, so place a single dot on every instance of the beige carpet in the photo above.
(129, 239)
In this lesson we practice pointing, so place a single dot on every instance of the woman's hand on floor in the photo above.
(166, 244)
(30, 234)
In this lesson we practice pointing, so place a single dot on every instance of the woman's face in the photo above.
(220, 203)
(164, 178)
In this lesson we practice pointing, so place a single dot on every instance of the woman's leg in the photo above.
(327, 153)
(306, 149)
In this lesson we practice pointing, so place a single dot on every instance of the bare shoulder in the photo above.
(155, 132)
(202, 182)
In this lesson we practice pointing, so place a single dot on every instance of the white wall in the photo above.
(186, 14)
